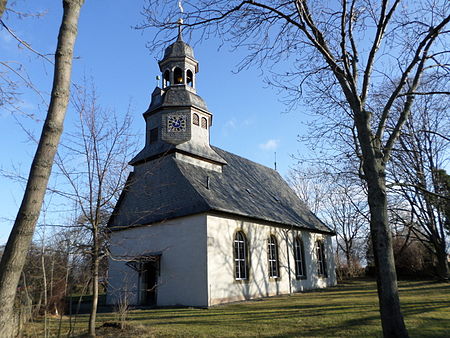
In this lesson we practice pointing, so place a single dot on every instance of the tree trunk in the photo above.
(2, 7)
(21, 235)
(44, 282)
(348, 257)
(375, 176)
(442, 263)
(94, 278)
(391, 316)
(93, 315)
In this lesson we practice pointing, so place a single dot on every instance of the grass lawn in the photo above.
(348, 310)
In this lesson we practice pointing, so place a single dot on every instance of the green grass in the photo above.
(348, 310)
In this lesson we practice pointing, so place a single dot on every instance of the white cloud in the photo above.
(270, 145)
(247, 122)
(230, 124)
(228, 127)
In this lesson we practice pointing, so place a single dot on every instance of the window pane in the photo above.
(299, 258)
(272, 257)
(240, 256)
(242, 269)
(321, 263)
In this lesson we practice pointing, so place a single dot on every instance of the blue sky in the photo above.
(248, 116)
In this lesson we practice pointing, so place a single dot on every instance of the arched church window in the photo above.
(189, 78)
(166, 79)
(240, 256)
(178, 76)
(299, 257)
(195, 119)
(204, 123)
(272, 251)
(321, 261)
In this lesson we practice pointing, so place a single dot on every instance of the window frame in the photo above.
(189, 78)
(204, 123)
(166, 78)
(240, 251)
(321, 259)
(272, 257)
(299, 258)
(196, 119)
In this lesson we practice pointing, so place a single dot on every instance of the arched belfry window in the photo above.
(240, 256)
(189, 78)
(178, 76)
(166, 79)
(299, 257)
(204, 123)
(195, 119)
(272, 252)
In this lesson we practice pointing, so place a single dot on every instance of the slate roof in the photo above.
(175, 96)
(175, 188)
(179, 49)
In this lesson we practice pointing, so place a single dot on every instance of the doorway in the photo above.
(149, 277)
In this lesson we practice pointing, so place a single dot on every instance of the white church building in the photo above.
(197, 225)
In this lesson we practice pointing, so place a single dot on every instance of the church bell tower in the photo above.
(177, 120)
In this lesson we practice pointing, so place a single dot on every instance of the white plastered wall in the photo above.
(222, 286)
(182, 244)
(199, 135)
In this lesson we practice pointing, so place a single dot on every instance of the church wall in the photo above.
(200, 136)
(182, 244)
(222, 285)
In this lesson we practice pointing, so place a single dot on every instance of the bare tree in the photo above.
(312, 185)
(443, 204)
(339, 52)
(20, 238)
(93, 162)
(340, 201)
(348, 214)
(423, 149)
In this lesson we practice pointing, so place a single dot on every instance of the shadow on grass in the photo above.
(345, 328)
(431, 327)
(348, 310)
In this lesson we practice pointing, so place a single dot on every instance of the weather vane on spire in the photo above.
(180, 20)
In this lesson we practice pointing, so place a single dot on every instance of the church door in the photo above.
(149, 282)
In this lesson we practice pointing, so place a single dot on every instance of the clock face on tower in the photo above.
(176, 127)
(176, 123)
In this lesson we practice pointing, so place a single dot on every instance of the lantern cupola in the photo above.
(178, 66)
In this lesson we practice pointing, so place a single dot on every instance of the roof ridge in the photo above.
(246, 159)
